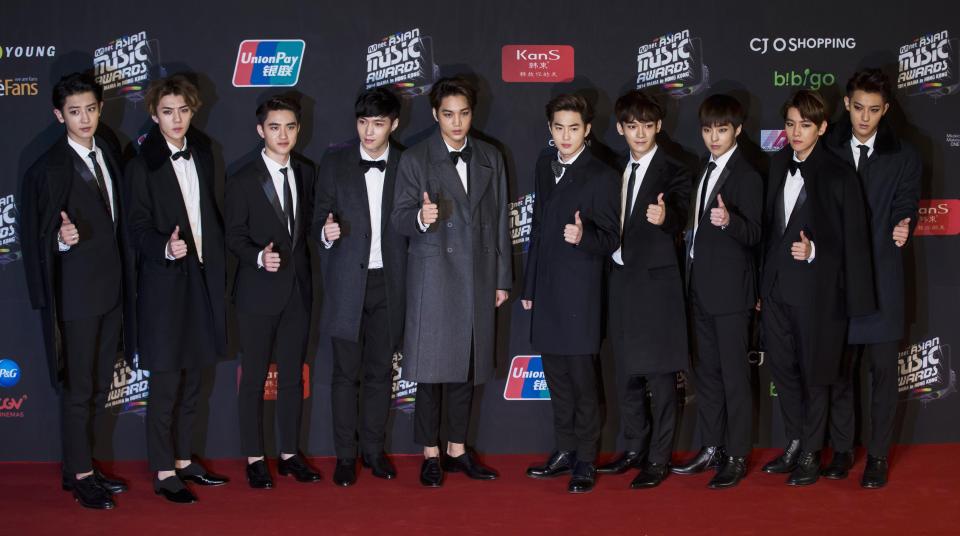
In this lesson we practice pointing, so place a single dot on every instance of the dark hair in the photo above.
(278, 102)
(637, 106)
(721, 109)
(810, 104)
(172, 85)
(870, 81)
(572, 103)
(377, 102)
(446, 87)
(74, 84)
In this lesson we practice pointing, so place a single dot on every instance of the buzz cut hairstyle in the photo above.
(446, 87)
(377, 102)
(636, 105)
(571, 103)
(720, 109)
(75, 84)
(277, 103)
(177, 84)
(809, 104)
(870, 81)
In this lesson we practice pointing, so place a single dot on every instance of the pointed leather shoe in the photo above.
(112, 485)
(199, 475)
(431, 475)
(650, 476)
(297, 466)
(839, 466)
(875, 473)
(468, 464)
(733, 470)
(707, 458)
(559, 463)
(88, 492)
(785, 462)
(627, 460)
(807, 471)
(345, 473)
(258, 475)
(379, 465)
(174, 490)
(583, 478)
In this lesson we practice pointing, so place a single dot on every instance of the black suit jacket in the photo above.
(723, 271)
(87, 279)
(565, 281)
(181, 314)
(254, 219)
(342, 190)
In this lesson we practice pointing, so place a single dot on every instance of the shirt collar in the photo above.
(80, 149)
(724, 158)
(645, 159)
(573, 158)
(384, 156)
(854, 142)
(272, 166)
(452, 150)
(173, 148)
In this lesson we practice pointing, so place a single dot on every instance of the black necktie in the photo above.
(181, 154)
(365, 165)
(703, 192)
(796, 167)
(558, 168)
(863, 157)
(287, 200)
(464, 155)
(630, 184)
(101, 183)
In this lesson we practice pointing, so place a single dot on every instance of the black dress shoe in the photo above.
(199, 475)
(807, 471)
(839, 466)
(875, 473)
(560, 462)
(174, 490)
(297, 466)
(624, 462)
(112, 485)
(431, 475)
(707, 458)
(88, 492)
(379, 465)
(650, 476)
(583, 478)
(786, 462)
(468, 464)
(258, 475)
(734, 468)
(345, 473)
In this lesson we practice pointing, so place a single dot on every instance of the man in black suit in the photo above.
(73, 254)
(647, 317)
(364, 264)
(267, 206)
(721, 282)
(816, 275)
(176, 232)
(578, 195)
(889, 171)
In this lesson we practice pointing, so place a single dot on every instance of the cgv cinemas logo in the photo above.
(938, 217)
(925, 372)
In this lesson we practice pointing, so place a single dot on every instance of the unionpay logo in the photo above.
(263, 63)
(9, 373)
(526, 380)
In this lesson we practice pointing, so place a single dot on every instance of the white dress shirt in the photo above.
(855, 147)
(274, 169)
(84, 155)
(791, 192)
(189, 181)
(641, 173)
(714, 177)
(568, 163)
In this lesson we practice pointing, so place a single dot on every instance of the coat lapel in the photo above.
(650, 181)
(270, 191)
(444, 168)
(298, 183)
(480, 173)
(357, 186)
(389, 180)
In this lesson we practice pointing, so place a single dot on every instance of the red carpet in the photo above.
(923, 497)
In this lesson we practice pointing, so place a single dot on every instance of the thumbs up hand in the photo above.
(68, 231)
(331, 229)
(657, 213)
(901, 232)
(176, 248)
(429, 212)
(573, 232)
(719, 216)
(271, 258)
(801, 250)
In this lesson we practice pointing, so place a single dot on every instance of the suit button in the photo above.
(365, 235)
(449, 250)
(361, 266)
(450, 224)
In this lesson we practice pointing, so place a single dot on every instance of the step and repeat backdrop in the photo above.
(519, 54)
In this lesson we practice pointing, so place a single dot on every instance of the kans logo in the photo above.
(937, 217)
(806, 78)
(928, 66)
(9, 236)
(925, 372)
(772, 141)
(130, 388)
(793, 44)
(21, 86)
(403, 60)
(123, 66)
(521, 222)
(526, 380)
(536, 63)
(9, 373)
(674, 62)
(404, 392)
(270, 385)
(262, 63)
(27, 51)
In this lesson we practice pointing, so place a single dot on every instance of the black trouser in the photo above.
(367, 363)
(283, 336)
(722, 372)
(89, 354)
(882, 358)
(572, 380)
(171, 412)
(788, 334)
(649, 426)
(426, 414)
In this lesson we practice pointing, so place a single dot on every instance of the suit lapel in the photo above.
(298, 215)
(650, 181)
(270, 191)
(172, 185)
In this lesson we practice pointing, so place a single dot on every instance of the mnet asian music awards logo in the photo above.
(938, 217)
(925, 371)
(928, 66)
(403, 60)
(536, 63)
(124, 66)
(673, 62)
(130, 389)
(10, 406)
(772, 141)
(9, 235)
(403, 392)
(526, 380)
(521, 222)
(262, 63)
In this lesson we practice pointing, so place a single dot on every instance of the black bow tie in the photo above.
(367, 164)
(181, 154)
(464, 155)
(796, 167)
(558, 167)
